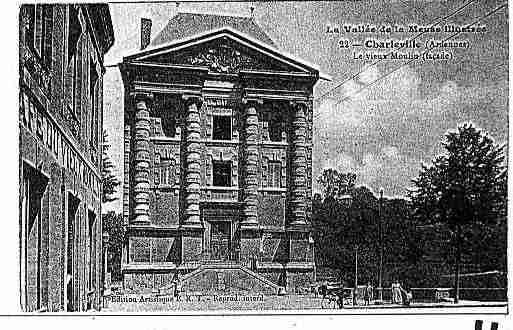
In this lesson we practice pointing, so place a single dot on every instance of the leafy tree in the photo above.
(110, 182)
(463, 187)
(339, 229)
(113, 224)
(336, 184)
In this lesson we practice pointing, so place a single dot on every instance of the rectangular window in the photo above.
(92, 250)
(74, 33)
(33, 116)
(276, 127)
(274, 175)
(167, 175)
(38, 31)
(34, 186)
(93, 79)
(28, 18)
(222, 174)
(222, 127)
(47, 38)
(168, 122)
(165, 110)
(73, 204)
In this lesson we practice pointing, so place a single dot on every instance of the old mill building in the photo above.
(217, 159)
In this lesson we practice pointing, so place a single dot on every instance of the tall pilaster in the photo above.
(192, 162)
(299, 165)
(250, 167)
(141, 158)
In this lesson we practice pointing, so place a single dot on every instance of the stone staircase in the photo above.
(225, 279)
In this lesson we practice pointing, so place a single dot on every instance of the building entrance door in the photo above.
(220, 243)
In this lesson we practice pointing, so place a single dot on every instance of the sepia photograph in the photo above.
(240, 158)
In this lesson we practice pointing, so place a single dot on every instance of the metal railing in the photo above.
(439, 294)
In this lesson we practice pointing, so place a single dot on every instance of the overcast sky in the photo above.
(384, 132)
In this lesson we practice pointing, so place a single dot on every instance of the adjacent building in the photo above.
(217, 159)
(61, 49)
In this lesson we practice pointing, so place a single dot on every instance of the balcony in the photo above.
(219, 194)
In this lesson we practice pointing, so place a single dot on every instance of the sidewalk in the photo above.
(462, 303)
(286, 304)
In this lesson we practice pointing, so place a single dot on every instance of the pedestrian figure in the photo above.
(368, 294)
(315, 291)
(175, 289)
(405, 296)
(323, 290)
(396, 293)
(340, 296)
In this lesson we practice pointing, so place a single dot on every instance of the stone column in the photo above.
(299, 165)
(141, 158)
(250, 167)
(192, 162)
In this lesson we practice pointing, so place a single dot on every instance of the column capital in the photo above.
(141, 96)
(249, 100)
(298, 103)
(192, 98)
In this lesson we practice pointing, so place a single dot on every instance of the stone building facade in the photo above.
(218, 159)
(60, 125)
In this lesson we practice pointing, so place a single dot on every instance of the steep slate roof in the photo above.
(185, 25)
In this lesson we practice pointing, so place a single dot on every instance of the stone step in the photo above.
(225, 278)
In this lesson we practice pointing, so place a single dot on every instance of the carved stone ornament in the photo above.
(222, 59)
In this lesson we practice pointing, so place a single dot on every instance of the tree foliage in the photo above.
(466, 184)
(465, 191)
(336, 184)
(113, 224)
(339, 229)
(110, 182)
(464, 187)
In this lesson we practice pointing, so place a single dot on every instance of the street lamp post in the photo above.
(355, 275)
(346, 200)
(380, 218)
(458, 200)
(106, 279)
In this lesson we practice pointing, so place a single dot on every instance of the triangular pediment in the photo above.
(224, 51)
